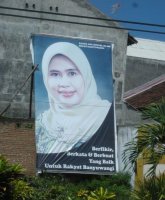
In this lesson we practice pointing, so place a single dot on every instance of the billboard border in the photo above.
(114, 113)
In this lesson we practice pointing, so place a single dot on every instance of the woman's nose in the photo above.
(64, 81)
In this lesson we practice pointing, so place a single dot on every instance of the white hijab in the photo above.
(71, 126)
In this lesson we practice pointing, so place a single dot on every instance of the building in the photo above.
(21, 19)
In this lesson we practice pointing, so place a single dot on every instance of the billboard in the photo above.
(74, 105)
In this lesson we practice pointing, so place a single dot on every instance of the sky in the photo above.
(145, 11)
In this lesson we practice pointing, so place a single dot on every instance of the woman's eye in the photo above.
(55, 74)
(72, 73)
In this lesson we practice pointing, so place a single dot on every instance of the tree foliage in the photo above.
(152, 188)
(150, 140)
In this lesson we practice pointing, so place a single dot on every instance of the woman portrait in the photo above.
(76, 110)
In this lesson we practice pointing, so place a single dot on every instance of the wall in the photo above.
(16, 62)
(145, 62)
(17, 143)
(15, 57)
(142, 70)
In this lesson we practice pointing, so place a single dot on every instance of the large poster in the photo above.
(74, 105)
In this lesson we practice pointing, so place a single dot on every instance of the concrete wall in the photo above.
(15, 57)
(145, 62)
(142, 70)
(16, 63)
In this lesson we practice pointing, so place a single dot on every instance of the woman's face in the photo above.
(65, 81)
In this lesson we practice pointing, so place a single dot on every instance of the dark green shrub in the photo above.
(79, 187)
(12, 187)
(152, 188)
(99, 194)
(21, 190)
(118, 183)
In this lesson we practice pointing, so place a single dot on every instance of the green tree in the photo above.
(150, 140)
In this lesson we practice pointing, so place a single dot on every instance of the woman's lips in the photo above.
(66, 93)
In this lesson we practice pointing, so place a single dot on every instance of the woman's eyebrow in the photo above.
(72, 70)
(53, 70)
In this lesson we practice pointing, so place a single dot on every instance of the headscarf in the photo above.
(70, 127)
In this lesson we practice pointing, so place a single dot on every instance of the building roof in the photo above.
(145, 94)
(153, 90)
(145, 48)
(131, 40)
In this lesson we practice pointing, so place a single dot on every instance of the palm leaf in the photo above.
(150, 139)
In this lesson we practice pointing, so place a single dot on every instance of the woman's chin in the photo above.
(68, 105)
(68, 102)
